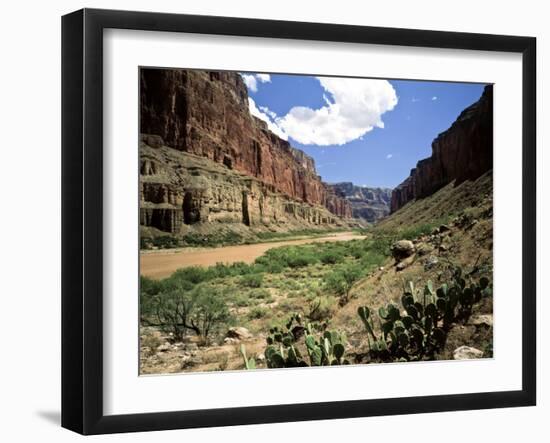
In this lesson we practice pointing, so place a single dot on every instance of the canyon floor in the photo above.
(452, 228)
(162, 263)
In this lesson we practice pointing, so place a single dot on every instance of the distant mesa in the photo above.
(369, 204)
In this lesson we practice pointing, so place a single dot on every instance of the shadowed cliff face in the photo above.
(206, 114)
(463, 152)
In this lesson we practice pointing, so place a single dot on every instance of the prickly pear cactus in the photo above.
(321, 347)
(428, 315)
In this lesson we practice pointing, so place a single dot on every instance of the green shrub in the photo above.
(241, 300)
(261, 294)
(252, 280)
(300, 259)
(418, 231)
(288, 256)
(321, 308)
(296, 233)
(192, 274)
(161, 242)
(149, 286)
(341, 280)
(215, 239)
(257, 312)
(210, 311)
(331, 257)
(370, 261)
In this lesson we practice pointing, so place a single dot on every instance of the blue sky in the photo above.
(369, 132)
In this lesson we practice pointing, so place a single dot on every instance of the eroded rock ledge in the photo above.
(206, 114)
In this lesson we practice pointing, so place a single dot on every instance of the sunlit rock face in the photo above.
(245, 172)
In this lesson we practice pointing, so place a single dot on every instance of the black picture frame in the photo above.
(82, 218)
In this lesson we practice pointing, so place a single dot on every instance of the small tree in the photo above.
(210, 310)
(148, 290)
(180, 309)
(173, 310)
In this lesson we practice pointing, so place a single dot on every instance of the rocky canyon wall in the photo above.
(179, 189)
(463, 152)
(204, 116)
(370, 204)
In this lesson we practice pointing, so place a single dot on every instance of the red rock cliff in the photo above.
(462, 152)
(206, 114)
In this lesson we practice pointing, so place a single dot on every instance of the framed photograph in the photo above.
(269, 221)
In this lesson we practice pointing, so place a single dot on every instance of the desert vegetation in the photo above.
(251, 260)
(152, 239)
(330, 303)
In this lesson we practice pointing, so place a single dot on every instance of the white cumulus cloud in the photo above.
(251, 80)
(264, 114)
(264, 78)
(353, 108)
(389, 156)
(434, 98)
(268, 111)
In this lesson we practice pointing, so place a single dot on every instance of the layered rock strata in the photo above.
(178, 189)
(370, 204)
(205, 114)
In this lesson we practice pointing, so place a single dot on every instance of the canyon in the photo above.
(367, 203)
(205, 159)
(462, 152)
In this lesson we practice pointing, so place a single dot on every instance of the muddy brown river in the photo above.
(160, 264)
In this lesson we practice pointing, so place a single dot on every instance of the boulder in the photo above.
(404, 263)
(164, 347)
(400, 266)
(431, 261)
(481, 320)
(402, 249)
(423, 248)
(188, 361)
(154, 141)
(467, 353)
(238, 333)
